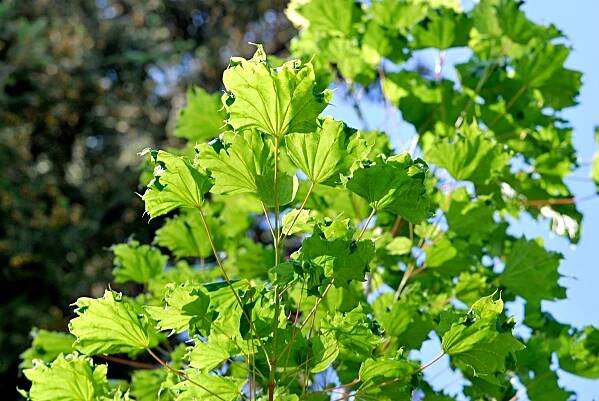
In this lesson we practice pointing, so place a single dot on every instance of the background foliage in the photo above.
(84, 85)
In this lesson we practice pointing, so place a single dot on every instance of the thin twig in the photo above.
(318, 301)
(228, 280)
(558, 201)
(366, 224)
(272, 231)
(303, 205)
(127, 362)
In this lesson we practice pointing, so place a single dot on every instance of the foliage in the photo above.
(333, 256)
(81, 83)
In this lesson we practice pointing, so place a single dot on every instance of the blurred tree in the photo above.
(80, 81)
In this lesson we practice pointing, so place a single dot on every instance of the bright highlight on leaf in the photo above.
(244, 163)
(395, 184)
(277, 101)
(112, 324)
(326, 153)
(69, 377)
(177, 183)
(482, 341)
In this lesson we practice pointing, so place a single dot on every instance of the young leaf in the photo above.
(137, 263)
(247, 165)
(395, 184)
(399, 246)
(69, 377)
(296, 221)
(342, 258)
(212, 353)
(202, 118)
(46, 346)
(111, 325)
(185, 235)
(386, 379)
(399, 15)
(325, 350)
(470, 156)
(177, 183)
(326, 153)
(328, 16)
(213, 388)
(442, 31)
(185, 305)
(353, 332)
(277, 101)
(149, 385)
(481, 341)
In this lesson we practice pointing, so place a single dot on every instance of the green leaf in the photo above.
(396, 185)
(470, 218)
(378, 370)
(249, 259)
(246, 164)
(68, 378)
(185, 305)
(150, 385)
(296, 221)
(111, 325)
(213, 388)
(399, 246)
(331, 17)
(212, 353)
(408, 319)
(440, 252)
(481, 341)
(353, 332)
(386, 379)
(531, 272)
(276, 101)
(471, 155)
(185, 235)
(46, 346)
(326, 153)
(579, 353)
(225, 306)
(537, 66)
(325, 350)
(441, 31)
(177, 183)
(202, 118)
(398, 15)
(137, 263)
(341, 257)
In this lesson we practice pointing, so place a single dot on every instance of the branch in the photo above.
(127, 362)
(303, 205)
(228, 280)
(366, 224)
(558, 201)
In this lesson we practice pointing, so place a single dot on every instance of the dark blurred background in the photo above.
(84, 86)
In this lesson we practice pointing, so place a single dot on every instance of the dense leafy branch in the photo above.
(370, 251)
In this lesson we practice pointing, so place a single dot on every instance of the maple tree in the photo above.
(302, 259)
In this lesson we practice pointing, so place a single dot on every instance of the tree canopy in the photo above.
(300, 258)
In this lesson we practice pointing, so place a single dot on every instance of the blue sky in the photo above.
(579, 20)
